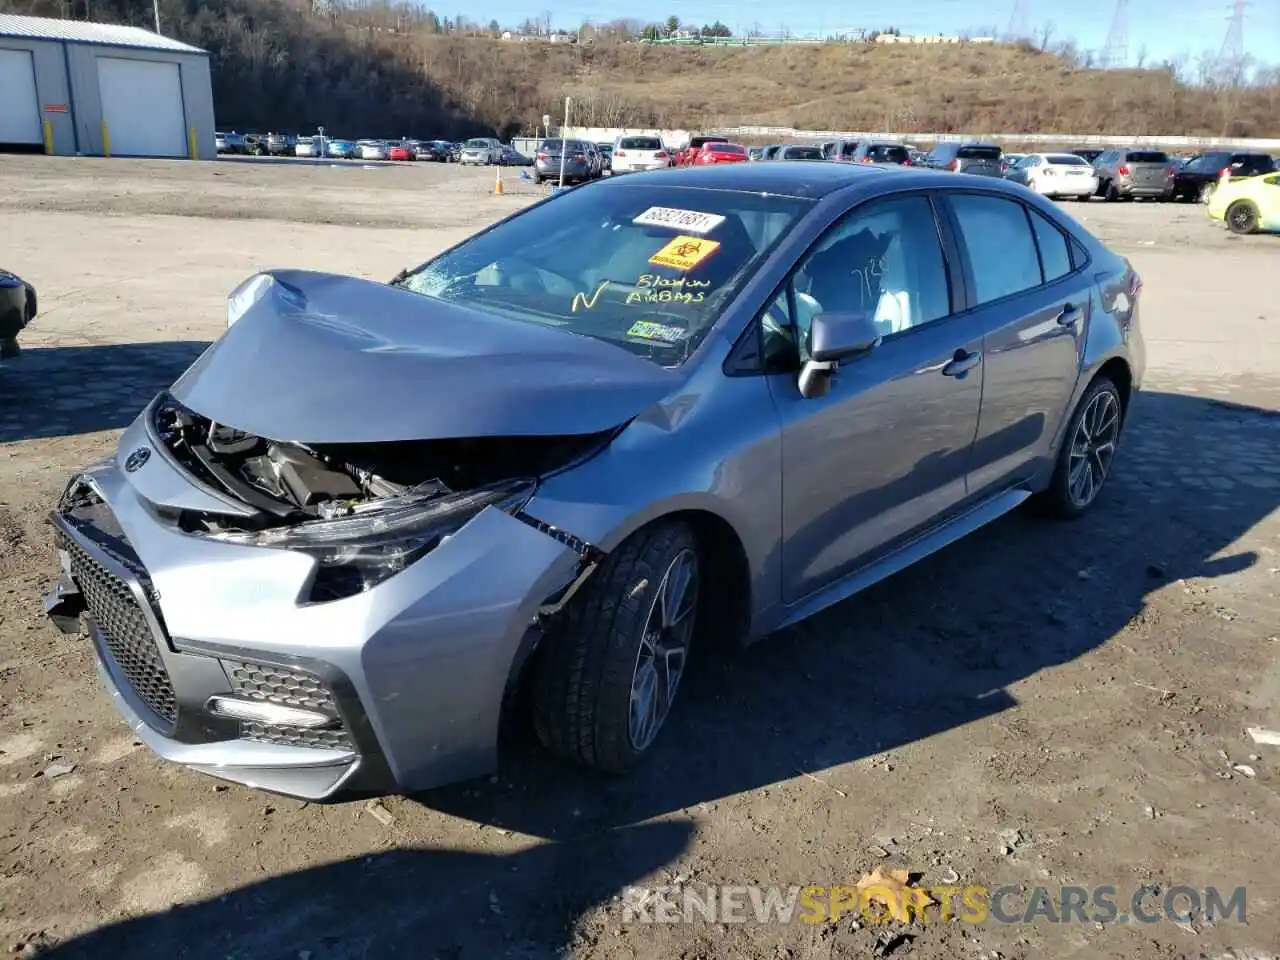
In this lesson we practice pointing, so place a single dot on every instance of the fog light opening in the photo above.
(272, 714)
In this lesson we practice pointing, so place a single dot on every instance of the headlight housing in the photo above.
(373, 541)
(246, 295)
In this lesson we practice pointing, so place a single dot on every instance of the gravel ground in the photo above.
(1040, 705)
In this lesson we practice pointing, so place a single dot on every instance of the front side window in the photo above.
(1002, 253)
(647, 268)
(884, 260)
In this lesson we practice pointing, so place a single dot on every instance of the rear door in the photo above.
(981, 160)
(1148, 168)
(1029, 286)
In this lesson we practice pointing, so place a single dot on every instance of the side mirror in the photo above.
(834, 337)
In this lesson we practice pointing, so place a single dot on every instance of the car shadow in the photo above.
(411, 903)
(934, 647)
(64, 391)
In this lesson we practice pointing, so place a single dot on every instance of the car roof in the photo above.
(811, 179)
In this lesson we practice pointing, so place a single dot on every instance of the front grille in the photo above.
(289, 687)
(126, 634)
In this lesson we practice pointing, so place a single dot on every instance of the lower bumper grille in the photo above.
(288, 687)
(126, 632)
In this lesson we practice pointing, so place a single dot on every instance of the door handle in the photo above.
(1069, 315)
(962, 363)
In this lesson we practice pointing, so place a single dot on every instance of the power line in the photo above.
(1116, 52)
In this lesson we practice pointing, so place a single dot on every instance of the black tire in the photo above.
(537, 178)
(1060, 499)
(585, 669)
(9, 348)
(1242, 217)
(1111, 194)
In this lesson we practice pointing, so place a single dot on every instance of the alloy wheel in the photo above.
(1092, 448)
(664, 649)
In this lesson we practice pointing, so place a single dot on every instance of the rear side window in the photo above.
(978, 153)
(887, 153)
(1002, 250)
(1147, 156)
(1055, 251)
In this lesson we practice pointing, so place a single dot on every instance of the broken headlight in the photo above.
(372, 541)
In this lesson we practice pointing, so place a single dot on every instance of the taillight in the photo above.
(579, 156)
(1224, 171)
(955, 165)
(1123, 169)
(660, 155)
(619, 153)
(542, 156)
(1135, 284)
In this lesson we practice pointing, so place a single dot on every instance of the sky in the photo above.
(1166, 28)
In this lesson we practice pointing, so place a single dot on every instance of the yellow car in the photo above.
(1248, 205)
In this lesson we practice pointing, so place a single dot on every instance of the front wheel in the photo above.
(1087, 453)
(607, 674)
(1242, 217)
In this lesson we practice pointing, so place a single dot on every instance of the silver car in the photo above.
(481, 151)
(639, 416)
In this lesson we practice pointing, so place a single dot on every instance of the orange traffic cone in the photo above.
(497, 186)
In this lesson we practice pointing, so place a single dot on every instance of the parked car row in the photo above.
(339, 148)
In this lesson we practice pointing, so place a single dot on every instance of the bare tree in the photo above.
(1045, 36)
(1141, 62)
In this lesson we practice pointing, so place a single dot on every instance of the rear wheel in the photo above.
(607, 676)
(1111, 194)
(1242, 217)
(1087, 452)
(1206, 192)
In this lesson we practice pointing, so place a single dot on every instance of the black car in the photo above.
(1196, 178)
(871, 151)
(17, 309)
(982, 159)
(1089, 155)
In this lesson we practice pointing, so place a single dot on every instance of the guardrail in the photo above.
(1056, 139)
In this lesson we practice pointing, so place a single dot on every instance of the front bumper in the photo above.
(414, 672)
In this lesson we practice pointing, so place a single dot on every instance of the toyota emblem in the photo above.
(134, 462)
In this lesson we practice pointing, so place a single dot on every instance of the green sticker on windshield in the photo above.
(648, 330)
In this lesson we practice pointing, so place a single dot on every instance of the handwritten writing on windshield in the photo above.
(651, 288)
(585, 301)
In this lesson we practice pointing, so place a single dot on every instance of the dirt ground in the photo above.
(1040, 705)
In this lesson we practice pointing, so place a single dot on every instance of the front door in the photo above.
(884, 453)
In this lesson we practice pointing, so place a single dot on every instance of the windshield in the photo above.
(1147, 156)
(978, 153)
(804, 153)
(647, 268)
(726, 148)
(639, 143)
(1066, 160)
(477, 144)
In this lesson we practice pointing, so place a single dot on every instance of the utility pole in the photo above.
(1116, 52)
(155, 5)
(1020, 20)
(1232, 52)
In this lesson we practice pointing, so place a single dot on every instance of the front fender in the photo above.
(717, 452)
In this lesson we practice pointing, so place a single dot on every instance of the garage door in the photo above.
(19, 109)
(142, 107)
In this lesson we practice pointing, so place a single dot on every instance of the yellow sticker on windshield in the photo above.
(648, 330)
(684, 253)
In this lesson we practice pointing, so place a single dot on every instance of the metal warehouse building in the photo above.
(99, 89)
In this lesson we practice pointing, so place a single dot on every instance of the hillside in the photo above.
(391, 71)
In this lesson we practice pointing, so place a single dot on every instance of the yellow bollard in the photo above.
(497, 186)
(48, 138)
(191, 143)
(106, 140)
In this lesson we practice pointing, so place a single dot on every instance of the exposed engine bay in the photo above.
(292, 482)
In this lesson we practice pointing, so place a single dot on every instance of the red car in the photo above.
(399, 152)
(717, 152)
(686, 156)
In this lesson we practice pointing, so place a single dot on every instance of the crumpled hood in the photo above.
(322, 358)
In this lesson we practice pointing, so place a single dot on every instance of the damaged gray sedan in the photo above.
(644, 415)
